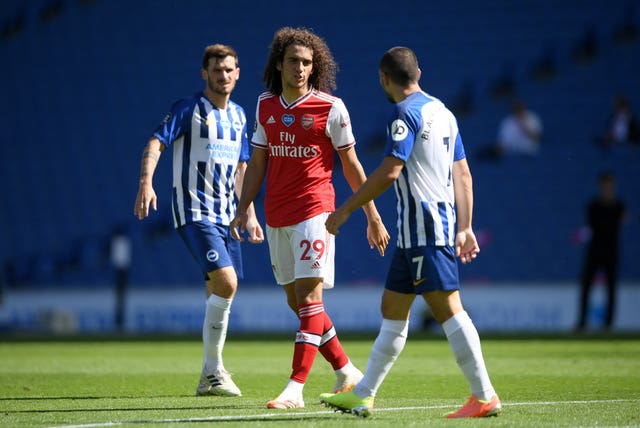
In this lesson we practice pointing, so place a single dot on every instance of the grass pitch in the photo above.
(553, 382)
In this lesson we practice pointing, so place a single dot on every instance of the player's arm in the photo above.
(377, 234)
(466, 244)
(146, 195)
(375, 185)
(252, 226)
(355, 176)
(252, 181)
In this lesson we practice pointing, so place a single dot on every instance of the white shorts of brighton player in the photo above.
(303, 250)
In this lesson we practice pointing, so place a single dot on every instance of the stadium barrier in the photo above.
(494, 308)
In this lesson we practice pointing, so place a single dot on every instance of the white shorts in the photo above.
(303, 250)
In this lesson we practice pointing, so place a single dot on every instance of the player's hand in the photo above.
(377, 235)
(335, 220)
(146, 198)
(240, 220)
(467, 247)
(254, 230)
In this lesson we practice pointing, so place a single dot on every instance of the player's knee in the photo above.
(443, 304)
(222, 282)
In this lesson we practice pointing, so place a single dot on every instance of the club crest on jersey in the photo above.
(399, 130)
(288, 119)
(307, 121)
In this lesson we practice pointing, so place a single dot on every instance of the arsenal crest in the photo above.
(306, 121)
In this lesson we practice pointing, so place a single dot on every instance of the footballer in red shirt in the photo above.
(299, 127)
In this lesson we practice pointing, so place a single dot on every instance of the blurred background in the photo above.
(85, 82)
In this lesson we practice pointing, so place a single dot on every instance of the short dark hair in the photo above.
(218, 51)
(324, 65)
(401, 65)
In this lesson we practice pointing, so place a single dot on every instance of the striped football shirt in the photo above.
(424, 134)
(208, 143)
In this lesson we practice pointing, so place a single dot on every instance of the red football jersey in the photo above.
(300, 139)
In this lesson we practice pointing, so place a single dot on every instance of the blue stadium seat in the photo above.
(77, 123)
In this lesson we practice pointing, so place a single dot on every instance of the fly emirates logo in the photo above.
(287, 148)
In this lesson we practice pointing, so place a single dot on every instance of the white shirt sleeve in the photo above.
(259, 137)
(339, 126)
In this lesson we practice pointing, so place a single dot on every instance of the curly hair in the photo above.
(324, 66)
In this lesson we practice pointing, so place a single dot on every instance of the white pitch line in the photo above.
(324, 412)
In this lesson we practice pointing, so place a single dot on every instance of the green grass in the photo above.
(542, 382)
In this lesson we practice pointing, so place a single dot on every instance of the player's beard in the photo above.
(219, 89)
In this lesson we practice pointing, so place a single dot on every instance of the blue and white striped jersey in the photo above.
(207, 143)
(424, 134)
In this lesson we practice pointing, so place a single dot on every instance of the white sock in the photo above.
(346, 369)
(465, 344)
(292, 391)
(386, 349)
(214, 332)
